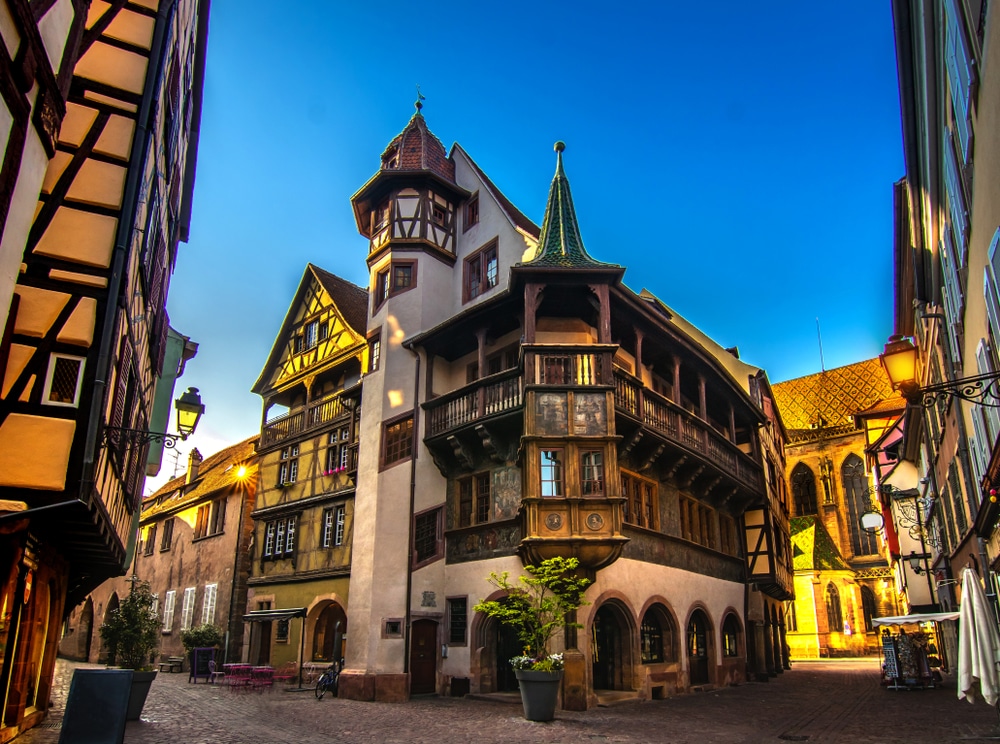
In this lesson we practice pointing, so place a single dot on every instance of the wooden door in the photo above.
(423, 657)
(698, 649)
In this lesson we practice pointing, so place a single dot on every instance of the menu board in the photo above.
(889, 663)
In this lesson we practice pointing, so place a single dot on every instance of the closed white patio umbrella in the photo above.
(978, 644)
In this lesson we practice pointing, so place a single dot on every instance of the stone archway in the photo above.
(611, 648)
(700, 649)
(329, 629)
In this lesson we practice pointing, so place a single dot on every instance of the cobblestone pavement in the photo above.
(832, 701)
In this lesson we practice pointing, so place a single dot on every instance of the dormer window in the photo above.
(391, 159)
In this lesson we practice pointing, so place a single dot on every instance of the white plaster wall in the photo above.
(54, 29)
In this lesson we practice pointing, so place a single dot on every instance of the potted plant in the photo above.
(536, 607)
(131, 635)
(204, 638)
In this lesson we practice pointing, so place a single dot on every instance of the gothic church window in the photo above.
(803, 490)
(858, 502)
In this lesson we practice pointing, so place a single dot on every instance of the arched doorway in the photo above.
(104, 656)
(506, 645)
(609, 646)
(423, 657)
(698, 648)
(328, 633)
(85, 630)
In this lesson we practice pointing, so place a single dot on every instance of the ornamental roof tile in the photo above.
(560, 243)
(812, 547)
(417, 149)
(829, 399)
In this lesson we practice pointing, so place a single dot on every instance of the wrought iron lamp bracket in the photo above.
(981, 390)
(112, 435)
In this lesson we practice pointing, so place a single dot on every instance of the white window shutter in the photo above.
(208, 604)
(959, 68)
(984, 365)
(956, 200)
(187, 609)
(168, 610)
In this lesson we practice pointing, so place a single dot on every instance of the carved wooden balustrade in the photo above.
(319, 412)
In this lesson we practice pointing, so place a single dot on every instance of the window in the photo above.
(338, 455)
(833, 616)
(458, 620)
(803, 490)
(697, 522)
(288, 471)
(727, 535)
(852, 474)
(427, 542)
(481, 271)
(168, 534)
(592, 472)
(380, 216)
(397, 441)
(438, 214)
(168, 610)
(374, 350)
(791, 621)
(869, 607)
(311, 334)
(187, 609)
(474, 502)
(552, 472)
(281, 634)
(959, 69)
(150, 540)
(730, 636)
(208, 604)
(279, 538)
(642, 506)
(397, 278)
(211, 519)
(333, 526)
(62, 381)
(472, 212)
(651, 638)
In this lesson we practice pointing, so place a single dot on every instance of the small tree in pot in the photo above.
(537, 607)
(131, 635)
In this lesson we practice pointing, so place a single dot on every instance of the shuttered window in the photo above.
(959, 66)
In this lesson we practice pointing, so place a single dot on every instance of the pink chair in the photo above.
(261, 678)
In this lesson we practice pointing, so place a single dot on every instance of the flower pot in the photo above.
(141, 682)
(539, 693)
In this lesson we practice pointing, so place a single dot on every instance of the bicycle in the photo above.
(328, 681)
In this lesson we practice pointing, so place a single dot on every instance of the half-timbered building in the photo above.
(86, 337)
(528, 404)
(308, 453)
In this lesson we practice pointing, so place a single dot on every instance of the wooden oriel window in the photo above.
(428, 542)
(551, 466)
(592, 472)
(642, 506)
(472, 212)
(474, 499)
(482, 271)
(397, 440)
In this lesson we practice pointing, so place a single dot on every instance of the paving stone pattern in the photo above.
(831, 701)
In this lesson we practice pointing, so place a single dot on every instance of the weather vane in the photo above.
(420, 97)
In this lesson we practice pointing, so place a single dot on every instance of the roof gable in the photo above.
(327, 317)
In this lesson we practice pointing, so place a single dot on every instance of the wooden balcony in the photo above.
(317, 414)
(684, 429)
(486, 397)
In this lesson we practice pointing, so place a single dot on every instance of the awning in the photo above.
(263, 616)
(926, 617)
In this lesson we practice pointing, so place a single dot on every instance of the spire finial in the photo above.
(559, 146)
(420, 97)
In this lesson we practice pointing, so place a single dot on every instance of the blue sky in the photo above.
(738, 158)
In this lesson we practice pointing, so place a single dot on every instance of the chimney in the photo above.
(194, 460)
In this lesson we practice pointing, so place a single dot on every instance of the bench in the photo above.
(172, 664)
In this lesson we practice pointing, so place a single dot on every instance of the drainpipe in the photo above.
(413, 497)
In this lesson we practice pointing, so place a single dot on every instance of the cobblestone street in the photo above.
(835, 701)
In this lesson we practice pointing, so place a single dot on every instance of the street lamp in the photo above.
(918, 561)
(189, 410)
(899, 359)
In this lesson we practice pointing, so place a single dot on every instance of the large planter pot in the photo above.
(539, 693)
(141, 682)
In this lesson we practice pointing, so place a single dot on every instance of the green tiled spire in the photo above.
(559, 243)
